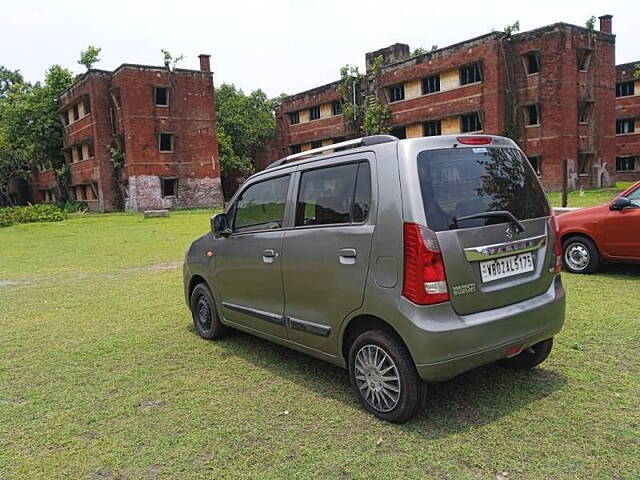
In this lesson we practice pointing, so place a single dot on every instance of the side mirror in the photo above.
(620, 203)
(220, 224)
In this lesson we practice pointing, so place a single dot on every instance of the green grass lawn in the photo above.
(103, 377)
(589, 198)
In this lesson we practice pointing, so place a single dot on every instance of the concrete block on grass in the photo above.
(156, 213)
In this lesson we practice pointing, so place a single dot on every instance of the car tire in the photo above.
(580, 255)
(204, 313)
(529, 357)
(384, 377)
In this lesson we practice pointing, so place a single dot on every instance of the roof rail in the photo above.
(356, 142)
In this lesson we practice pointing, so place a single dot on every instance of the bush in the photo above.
(30, 214)
(73, 206)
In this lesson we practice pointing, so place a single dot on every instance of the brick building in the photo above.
(552, 89)
(627, 122)
(163, 125)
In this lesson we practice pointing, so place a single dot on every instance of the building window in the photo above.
(399, 131)
(627, 164)
(294, 118)
(90, 192)
(625, 89)
(532, 114)
(336, 108)
(338, 140)
(296, 148)
(536, 163)
(82, 193)
(76, 112)
(532, 63)
(76, 153)
(115, 97)
(168, 187)
(314, 113)
(396, 93)
(432, 129)
(470, 74)
(316, 144)
(161, 95)
(626, 125)
(431, 84)
(584, 161)
(584, 112)
(113, 120)
(584, 59)
(166, 142)
(470, 123)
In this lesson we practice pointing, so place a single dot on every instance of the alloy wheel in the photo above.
(377, 378)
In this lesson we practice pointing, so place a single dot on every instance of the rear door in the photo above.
(488, 262)
(326, 253)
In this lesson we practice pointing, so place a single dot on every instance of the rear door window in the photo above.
(334, 195)
(466, 181)
(261, 205)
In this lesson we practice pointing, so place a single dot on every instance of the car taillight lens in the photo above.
(474, 140)
(425, 282)
(558, 265)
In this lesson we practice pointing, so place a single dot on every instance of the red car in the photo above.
(609, 232)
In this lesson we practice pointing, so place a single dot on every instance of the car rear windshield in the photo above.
(466, 181)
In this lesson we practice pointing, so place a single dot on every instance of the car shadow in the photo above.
(475, 398)
(621, 270)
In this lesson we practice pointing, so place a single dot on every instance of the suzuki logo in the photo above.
(508, 233)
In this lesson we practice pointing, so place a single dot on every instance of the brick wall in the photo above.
(506, 89)
(123, 113)
(628, 108)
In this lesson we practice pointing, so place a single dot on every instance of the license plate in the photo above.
(506, 267)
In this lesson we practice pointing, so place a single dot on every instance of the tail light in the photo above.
(474, 140)
(558, 265)
(425, 282)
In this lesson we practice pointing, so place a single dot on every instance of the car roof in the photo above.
(409, 144)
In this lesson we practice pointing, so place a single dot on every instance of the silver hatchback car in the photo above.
(404, 261)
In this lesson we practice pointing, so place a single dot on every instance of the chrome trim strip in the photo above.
(497, 250)
(262, 315)
(309, 327)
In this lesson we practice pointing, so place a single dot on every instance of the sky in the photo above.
(279, 46)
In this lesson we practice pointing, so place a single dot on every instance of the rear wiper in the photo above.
(499, 213)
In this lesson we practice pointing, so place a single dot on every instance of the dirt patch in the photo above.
(13, 283)
(149, 405)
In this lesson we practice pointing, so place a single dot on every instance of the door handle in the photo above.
(347, 256)
(269, 255)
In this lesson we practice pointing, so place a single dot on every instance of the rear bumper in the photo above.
(444, 344)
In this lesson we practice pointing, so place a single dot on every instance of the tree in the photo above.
(8, 78)
(509, 30)
(246, 123)
(13, 165)
(90, 56)
(591, 23)
(169, 60)
(368, 117)
(30, 127)
(636, 73)
(349, 88)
